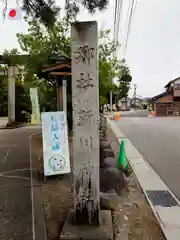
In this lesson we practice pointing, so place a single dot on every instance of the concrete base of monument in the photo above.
(84, 232)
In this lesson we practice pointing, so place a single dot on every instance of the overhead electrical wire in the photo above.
(128, 25)
(118, 17)
(117, 20)
(127, 22)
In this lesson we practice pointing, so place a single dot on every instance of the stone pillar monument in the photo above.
(85, 100)
(86, 221)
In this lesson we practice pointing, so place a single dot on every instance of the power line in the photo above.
(128, 24)
(127, 19)
(117, 20)
(131, 12)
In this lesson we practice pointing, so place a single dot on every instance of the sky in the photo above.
(153, 50)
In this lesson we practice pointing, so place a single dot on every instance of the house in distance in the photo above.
(168, 102)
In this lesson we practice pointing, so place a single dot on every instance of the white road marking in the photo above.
(32, 192)
(18, 177)
(4, 160)
(17, 170)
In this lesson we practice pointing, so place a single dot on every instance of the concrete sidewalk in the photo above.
(163, 202)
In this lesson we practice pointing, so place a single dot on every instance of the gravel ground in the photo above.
(57, 201)
(134, 220)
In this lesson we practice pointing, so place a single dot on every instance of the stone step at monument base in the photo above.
(87, 232)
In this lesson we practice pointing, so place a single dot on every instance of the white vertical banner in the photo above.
(35, 117)
(55, 143)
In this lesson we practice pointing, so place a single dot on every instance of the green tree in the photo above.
(22, 99)
(124, 80)
(42, 43)
(10, 56)
(13, 51)
(73, 6)
(46, 91)
(108, 66)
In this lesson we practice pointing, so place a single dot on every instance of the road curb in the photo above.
(164, 204)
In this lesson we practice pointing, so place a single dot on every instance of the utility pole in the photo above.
(135, 88)
(111, 102)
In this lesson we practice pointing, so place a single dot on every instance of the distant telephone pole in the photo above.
(134, 95)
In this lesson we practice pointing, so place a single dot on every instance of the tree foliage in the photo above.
(111, 68)
(73, 6)
(42, 43)
(22, 100)
(46, 91)
(45, 11)
(21, 97)
(124, 81)
(108, 67)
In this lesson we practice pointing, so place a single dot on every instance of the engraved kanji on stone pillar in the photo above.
(85, 101)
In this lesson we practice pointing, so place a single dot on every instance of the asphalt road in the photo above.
(135, 114)
(158, 140)
(15, 184)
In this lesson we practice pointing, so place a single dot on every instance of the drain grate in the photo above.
(161, 198)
